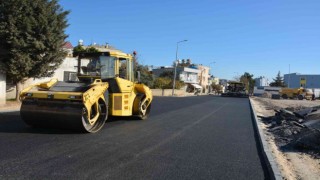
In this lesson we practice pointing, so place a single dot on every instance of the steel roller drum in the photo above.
(52, 114)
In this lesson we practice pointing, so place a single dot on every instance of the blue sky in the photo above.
(259, 37)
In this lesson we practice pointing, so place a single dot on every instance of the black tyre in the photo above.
(103, 110)
(300, 97)
(284, 96)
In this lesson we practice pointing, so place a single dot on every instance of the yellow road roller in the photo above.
(105, 87)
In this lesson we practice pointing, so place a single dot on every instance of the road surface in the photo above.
(201, 137)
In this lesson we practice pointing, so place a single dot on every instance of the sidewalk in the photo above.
(10, 106)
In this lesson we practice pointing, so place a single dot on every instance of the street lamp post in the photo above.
(211, 76)
(175, 67)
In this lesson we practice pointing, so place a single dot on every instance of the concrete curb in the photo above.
(9, 110)
(10, 106)
(5, 109)
(267, 154)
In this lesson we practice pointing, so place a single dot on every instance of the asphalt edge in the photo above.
(273, 168)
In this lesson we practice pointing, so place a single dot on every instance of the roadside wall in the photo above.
(168, 92)
(2, 89)
(260, 90)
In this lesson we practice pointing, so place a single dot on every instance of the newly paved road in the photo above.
(203, 137)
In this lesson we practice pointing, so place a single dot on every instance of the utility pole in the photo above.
(175, 67)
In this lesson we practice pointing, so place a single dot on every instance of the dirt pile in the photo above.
(296, 129)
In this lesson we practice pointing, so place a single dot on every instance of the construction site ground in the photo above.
(292, 164)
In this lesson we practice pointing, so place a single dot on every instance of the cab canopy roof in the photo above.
(101, 52)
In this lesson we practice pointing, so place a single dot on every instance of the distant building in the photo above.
(204, 77)
(185, 74)
(296, 80)
(188, 74)
(68, 48)
(261, 81)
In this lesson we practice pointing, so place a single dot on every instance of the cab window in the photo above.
(125, 69)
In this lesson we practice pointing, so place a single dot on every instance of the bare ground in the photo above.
(10, 105)
(292, 165)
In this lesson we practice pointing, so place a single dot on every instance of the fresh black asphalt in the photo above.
(200, 137)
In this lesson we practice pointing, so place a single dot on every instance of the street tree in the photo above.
(162, 83)
(248, 80)
(278, 81)
(217, 88)
(165, 81)
(145, 75)
(32, 34)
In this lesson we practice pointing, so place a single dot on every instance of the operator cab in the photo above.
(105, 65)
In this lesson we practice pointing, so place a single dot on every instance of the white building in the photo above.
(214, 80)
(204, 77)
(261, 81)
(185, 74)
(66, 72)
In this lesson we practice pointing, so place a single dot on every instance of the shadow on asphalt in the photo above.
(11, 122)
